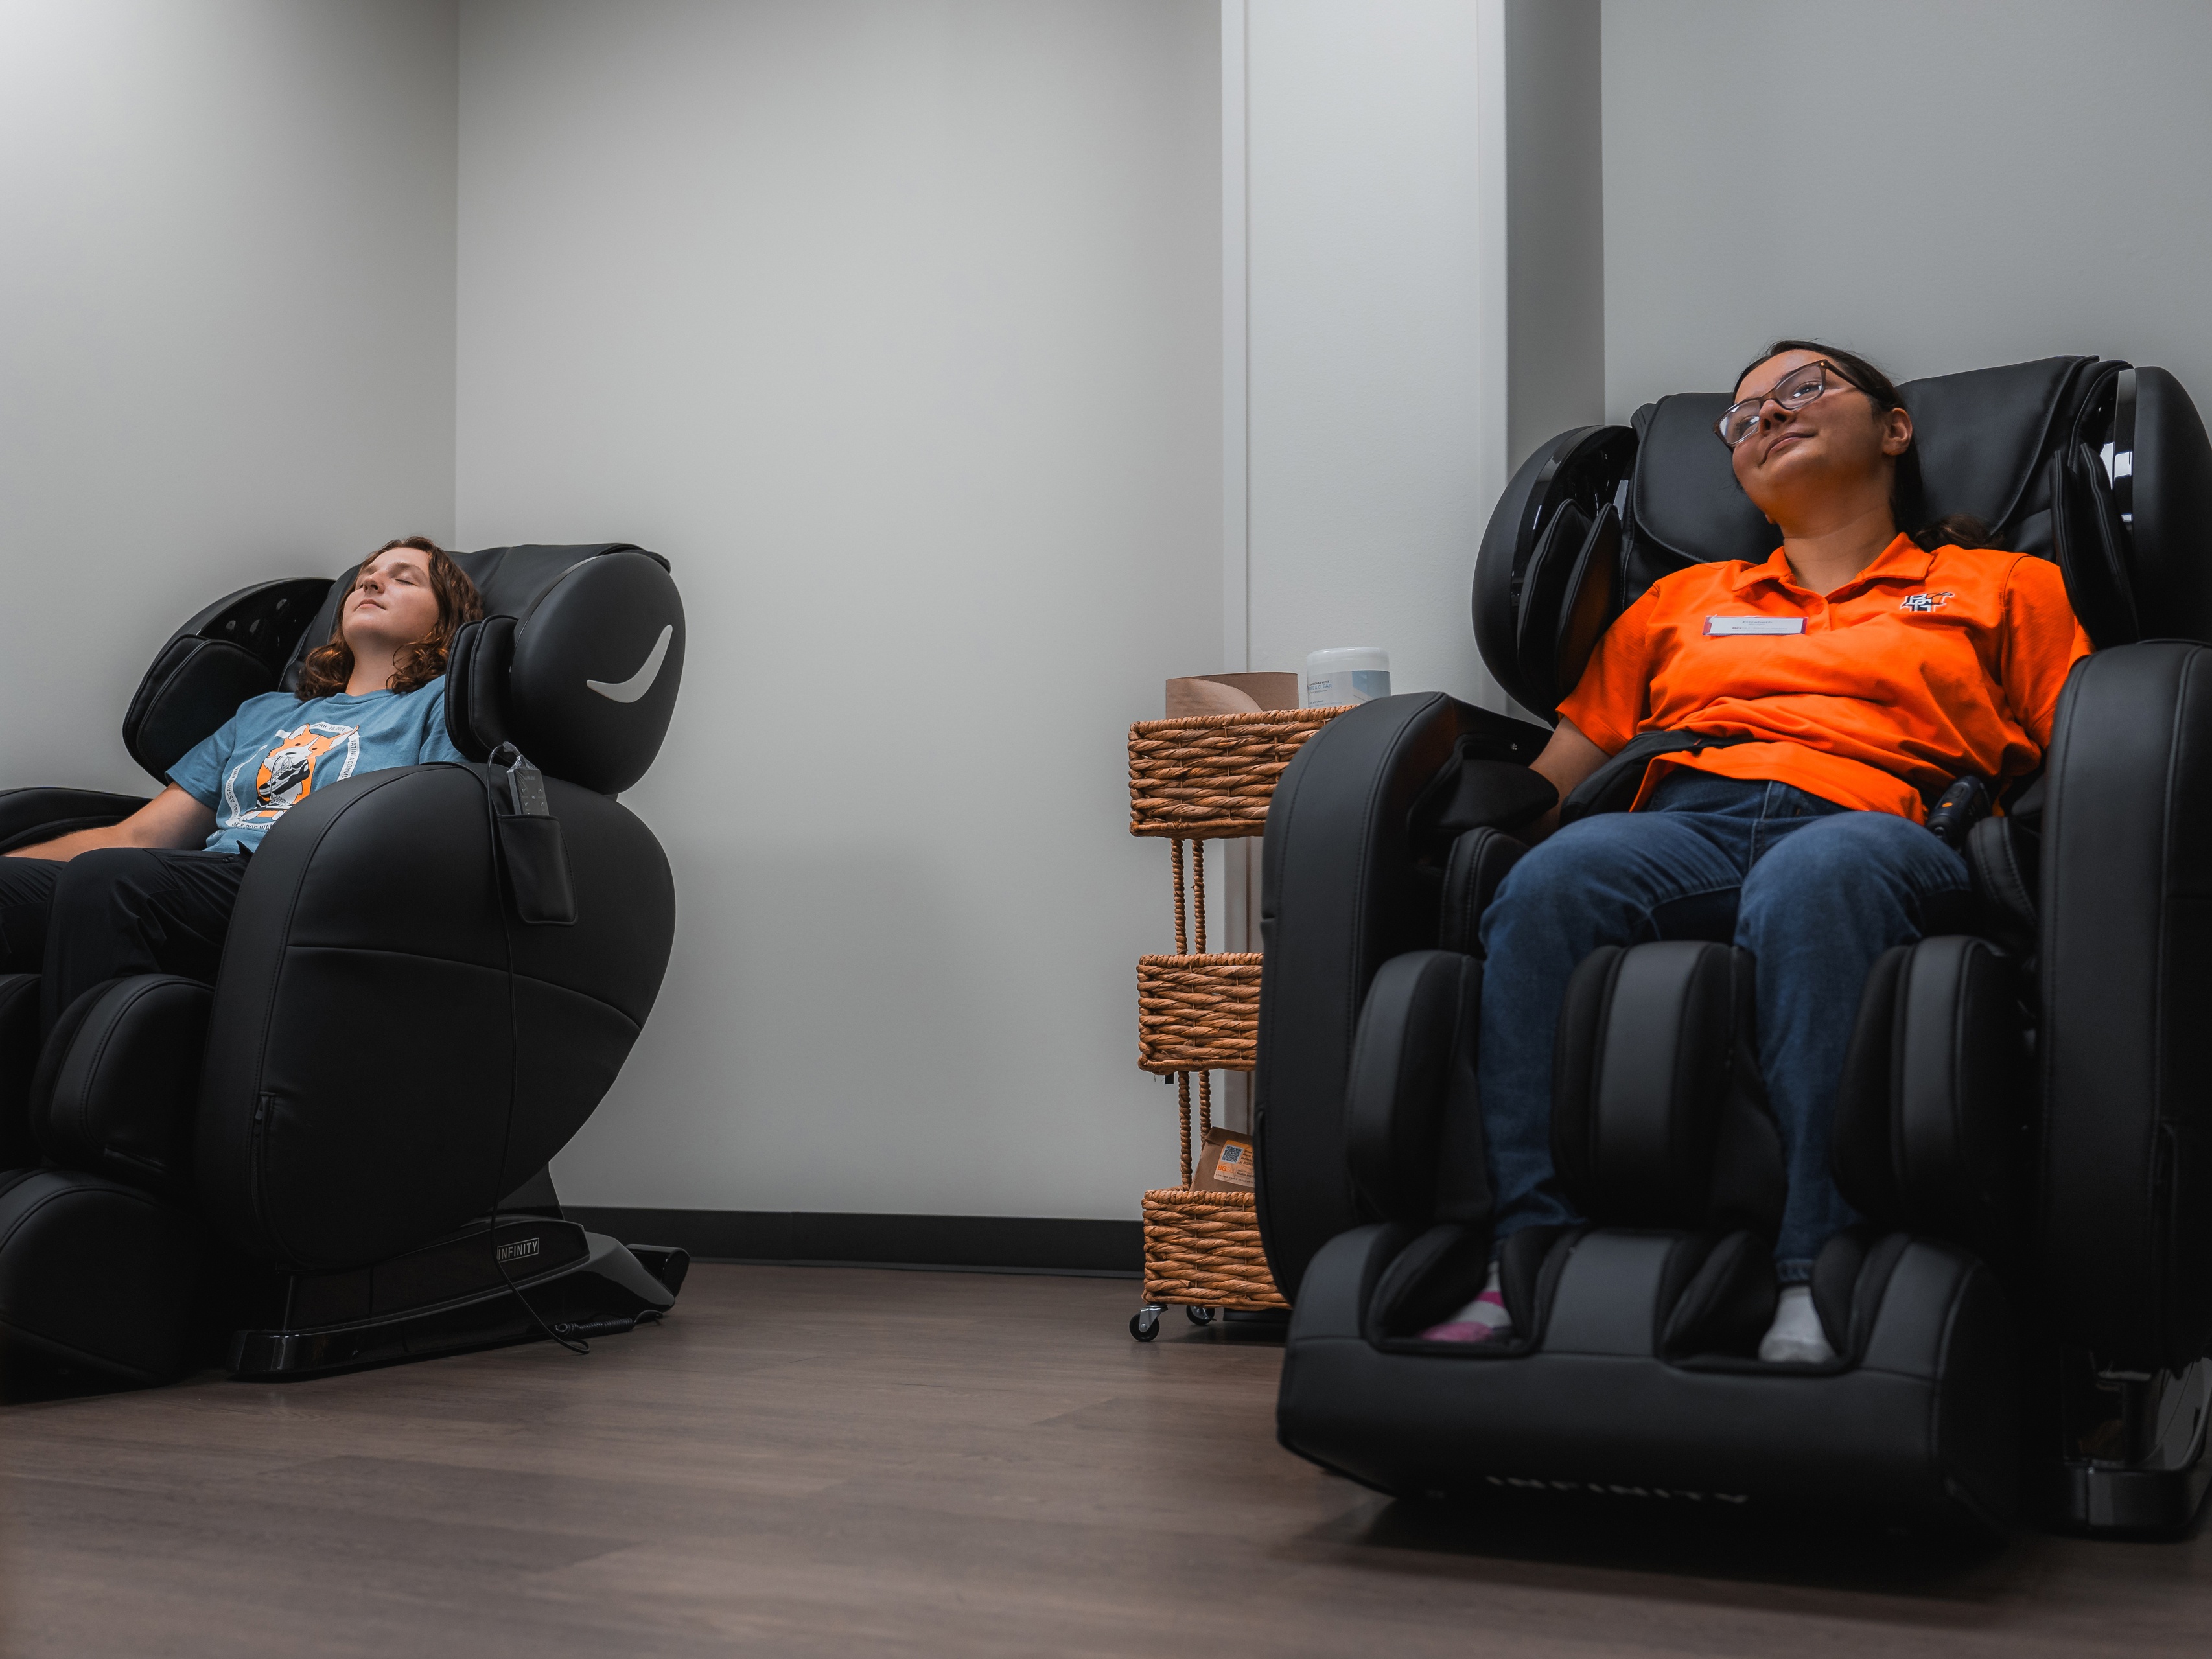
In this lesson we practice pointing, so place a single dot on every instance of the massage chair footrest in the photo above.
(97, 1279)
(451, 1297)
(1919, 1422)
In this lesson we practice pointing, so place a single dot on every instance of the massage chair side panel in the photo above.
(1340, 895)
(389, 906)
(2126, 968)
(2125, 907)
(380, 1004)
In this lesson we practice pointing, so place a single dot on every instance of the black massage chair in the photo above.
(2026, 1116)
(336, 1157)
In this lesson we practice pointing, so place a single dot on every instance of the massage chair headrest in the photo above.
(577, 662)
(1654, 1119)
(2105, 467)
(1980, 439)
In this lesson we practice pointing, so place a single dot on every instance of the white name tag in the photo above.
(1754, 624)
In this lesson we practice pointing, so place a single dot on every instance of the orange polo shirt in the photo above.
(1922, 667)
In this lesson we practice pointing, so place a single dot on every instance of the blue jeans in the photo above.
(1815, 891)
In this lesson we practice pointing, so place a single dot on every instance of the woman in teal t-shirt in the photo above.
(153, 894)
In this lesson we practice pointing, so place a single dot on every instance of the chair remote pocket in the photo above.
(531, 846)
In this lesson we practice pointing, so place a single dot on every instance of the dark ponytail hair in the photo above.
(1905, 495)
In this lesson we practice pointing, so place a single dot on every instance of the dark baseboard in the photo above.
(974, 1243)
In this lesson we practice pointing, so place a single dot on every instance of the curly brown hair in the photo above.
(330, 667)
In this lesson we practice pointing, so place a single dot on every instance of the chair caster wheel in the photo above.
(1199, 1315)
(1145, 1323)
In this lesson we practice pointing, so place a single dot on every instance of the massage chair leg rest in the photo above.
(98, 1280)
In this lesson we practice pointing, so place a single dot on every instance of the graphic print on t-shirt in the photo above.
(287, 771)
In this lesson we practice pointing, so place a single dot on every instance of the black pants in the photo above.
(120, 910)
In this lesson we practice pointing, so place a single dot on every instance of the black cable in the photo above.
(573, 1344)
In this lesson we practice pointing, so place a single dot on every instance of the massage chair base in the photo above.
(1919, 1425)
(2160, 1488)
(2088, 1497)
(464, 1291)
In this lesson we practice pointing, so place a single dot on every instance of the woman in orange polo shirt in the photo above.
(1860, 670)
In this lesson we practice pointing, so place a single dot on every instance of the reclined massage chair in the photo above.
(336, 1156)
(2025, 1121)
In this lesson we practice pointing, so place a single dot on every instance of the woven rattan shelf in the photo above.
(1202, 1249)
(1200, 778)
(1198, 1014)
(1210, 776)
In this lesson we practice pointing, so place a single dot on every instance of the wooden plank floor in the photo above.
(851, 1462)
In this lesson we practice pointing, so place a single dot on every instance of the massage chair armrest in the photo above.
(30, 816)
(1476, 791)
(1348, 884)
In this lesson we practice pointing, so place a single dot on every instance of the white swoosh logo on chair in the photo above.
(641, 682)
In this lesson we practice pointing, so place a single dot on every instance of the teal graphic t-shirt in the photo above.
(276, 751)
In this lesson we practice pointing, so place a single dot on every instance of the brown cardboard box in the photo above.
(1224, 1164)
(1231, 694)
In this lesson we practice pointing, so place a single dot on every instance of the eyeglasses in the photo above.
(1794, 391)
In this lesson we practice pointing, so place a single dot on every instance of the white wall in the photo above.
(229, 346)
(1555, 221)
(895, 325)
(1373, 459)
(1970, 182)
(1413, 239)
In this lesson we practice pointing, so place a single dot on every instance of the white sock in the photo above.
(1483, 1320)
(1795, 1337)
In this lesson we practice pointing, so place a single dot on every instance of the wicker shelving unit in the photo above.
(1206, 777)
